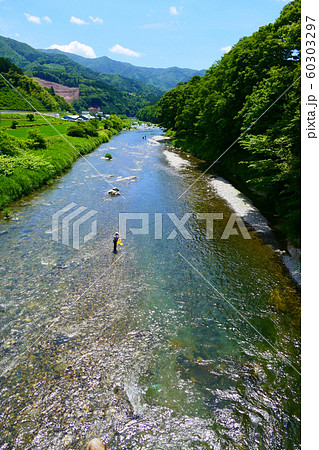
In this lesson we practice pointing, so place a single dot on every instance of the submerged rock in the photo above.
(284, 301)
(96, 444)
(254, 370)
(294, 252)
(131, 177)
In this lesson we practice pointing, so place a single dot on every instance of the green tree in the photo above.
(82, 129)
(207, 115)
(148, 113)
(113, 122)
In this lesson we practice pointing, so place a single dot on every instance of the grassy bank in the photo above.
(33, 157)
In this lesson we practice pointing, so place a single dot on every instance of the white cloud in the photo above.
(47, 19)
(226, 49)
(77, 21)
(33, 19)
(77, 48)
(124, 51)
(96, 20)
(173, 11)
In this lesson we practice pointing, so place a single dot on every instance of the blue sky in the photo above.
(162, 33)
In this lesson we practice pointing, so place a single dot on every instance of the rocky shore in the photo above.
(252, 216)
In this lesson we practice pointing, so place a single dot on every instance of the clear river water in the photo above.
(168, 344)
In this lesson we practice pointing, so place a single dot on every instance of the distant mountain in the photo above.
(164, 79)
(55, 63)
(113, 86)
(112, 93)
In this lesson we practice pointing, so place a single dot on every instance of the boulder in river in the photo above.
(114, 191)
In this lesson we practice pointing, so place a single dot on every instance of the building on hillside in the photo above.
(71, 117)
(86, 117)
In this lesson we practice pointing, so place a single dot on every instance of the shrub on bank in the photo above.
(35, 140)
(82, 129)
(9, 145)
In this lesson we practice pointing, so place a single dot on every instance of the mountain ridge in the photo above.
(112, 93)
(125, 90)
(55, 50)
(29, 59)
(162, 78)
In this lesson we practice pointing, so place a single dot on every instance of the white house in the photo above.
(71, 117)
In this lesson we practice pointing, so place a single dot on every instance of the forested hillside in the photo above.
(149, 113)
(112, 93)
(39, 97)
(207, 115)
(163, 79)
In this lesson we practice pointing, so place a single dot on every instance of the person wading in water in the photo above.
(115, 241)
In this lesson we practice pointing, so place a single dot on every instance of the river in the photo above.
(170, 343)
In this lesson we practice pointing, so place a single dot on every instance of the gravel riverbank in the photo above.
(251, 215)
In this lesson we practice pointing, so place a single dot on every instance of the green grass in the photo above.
(6, 120)
(45, 130)
(60, 156)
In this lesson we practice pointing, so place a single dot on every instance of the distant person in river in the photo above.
(115, 241)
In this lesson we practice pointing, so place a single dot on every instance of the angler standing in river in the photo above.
(115, 241)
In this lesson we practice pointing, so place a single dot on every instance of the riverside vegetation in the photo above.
(207, 115)
(32, 155)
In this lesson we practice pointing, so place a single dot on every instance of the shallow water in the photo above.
(171, 343)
